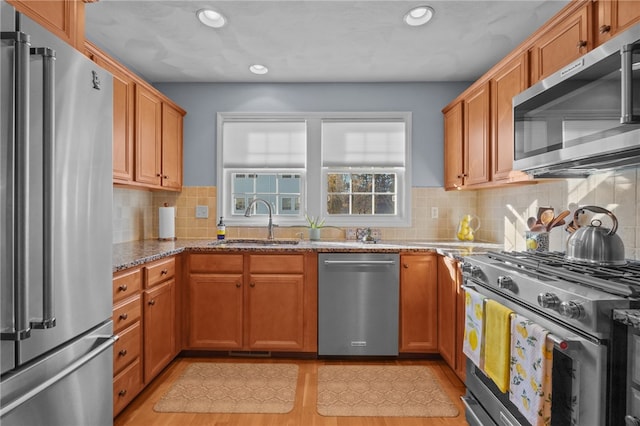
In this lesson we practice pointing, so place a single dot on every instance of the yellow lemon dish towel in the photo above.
(531, 363)
(497, 342)
(473, 308)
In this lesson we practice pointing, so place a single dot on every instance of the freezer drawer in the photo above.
(70, 386)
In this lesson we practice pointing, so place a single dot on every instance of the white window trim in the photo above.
(315, 177)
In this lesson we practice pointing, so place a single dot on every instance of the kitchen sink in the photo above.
(256, 241)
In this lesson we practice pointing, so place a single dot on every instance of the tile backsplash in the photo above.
(503, 212)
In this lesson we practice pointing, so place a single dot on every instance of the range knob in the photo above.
(548, 300)
(505, 282)
(471, 270)
(571, 309)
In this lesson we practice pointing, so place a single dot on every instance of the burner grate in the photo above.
(622, 280)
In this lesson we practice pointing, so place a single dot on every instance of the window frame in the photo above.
(314, 175)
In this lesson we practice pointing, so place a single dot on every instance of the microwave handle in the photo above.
(626, 54)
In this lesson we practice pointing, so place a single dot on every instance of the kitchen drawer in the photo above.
(126, 386)
(126, 284)
(126, 313)
(160, 271)
(216, 263)
(276, 263)
(127, 348)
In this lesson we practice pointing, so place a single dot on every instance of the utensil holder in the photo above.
(537, 241)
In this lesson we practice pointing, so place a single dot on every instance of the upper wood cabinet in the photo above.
(562, 43)
(614, 16)
(123, 109)
(148, 146)
(454, 146)
(64, 18)
(507, 82)
(477, 136)
(171, 146)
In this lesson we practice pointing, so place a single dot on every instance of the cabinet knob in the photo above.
(152, 302)
(158, 175)
(165, 177)
(252, 285)
(405, 265)
(123, 287)
(124, 316)
(164, 272)
(238, 285)
(122, 392)
(605, 29)
(123, 352)
(581, 44)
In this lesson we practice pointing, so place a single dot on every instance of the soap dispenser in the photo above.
(222, 229)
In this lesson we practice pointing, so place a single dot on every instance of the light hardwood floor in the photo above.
(140, 411)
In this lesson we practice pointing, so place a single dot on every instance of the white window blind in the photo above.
(363, 143)
(263, 144)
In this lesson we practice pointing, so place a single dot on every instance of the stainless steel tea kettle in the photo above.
(595, 244)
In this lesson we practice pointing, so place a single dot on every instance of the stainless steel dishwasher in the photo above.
(358, 304)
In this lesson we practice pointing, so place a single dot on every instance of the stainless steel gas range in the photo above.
(575, 303)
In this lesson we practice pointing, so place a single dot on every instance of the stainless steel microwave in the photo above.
(585, 117)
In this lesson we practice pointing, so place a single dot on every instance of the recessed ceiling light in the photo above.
(258, 69)
(419, 16)
(211, 18)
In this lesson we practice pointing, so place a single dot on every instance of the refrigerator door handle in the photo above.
(48, 181)
(18, 193)
(105, 343)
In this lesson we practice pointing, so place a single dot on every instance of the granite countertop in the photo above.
(135, 253)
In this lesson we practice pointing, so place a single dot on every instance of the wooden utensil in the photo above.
(556, 220)
(531, 222)
(546, 218)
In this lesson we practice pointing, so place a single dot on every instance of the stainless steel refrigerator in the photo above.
(55, 230)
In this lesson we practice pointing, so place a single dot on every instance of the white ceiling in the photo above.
(313, 41)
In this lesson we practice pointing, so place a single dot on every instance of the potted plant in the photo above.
(315, 224)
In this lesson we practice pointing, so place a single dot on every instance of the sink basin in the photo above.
(256, 241)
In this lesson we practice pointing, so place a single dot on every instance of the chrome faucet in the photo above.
(247, 213)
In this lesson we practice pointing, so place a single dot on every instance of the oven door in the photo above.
(579, 380)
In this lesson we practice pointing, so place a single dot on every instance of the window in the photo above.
(349, 168)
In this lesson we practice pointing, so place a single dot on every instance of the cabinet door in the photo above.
(64, 18)
(453, 147)
(159, 328)
(477, 136)
(171, 147)
(505, 84)
(418, 303)
(215, 311)
(614, 16)
(447, 309)
(561, 44)
(275, 312)
(148, 137)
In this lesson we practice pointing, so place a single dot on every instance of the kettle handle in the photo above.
(596, 209)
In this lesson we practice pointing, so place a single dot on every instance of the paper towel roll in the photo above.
(167, 225)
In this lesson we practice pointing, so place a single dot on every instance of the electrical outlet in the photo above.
(376, 234)
(202, 212)
(434, 212)
(350, 234)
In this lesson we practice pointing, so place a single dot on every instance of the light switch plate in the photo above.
(202, 212)
(434, 212)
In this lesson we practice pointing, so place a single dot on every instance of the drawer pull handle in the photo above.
(581, 44)
(123, 287)
(164, 272)
(605, 29)
(124, 316)
(123, 352)
(122, 392)
(152, 302)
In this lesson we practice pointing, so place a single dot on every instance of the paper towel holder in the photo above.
(166, 223)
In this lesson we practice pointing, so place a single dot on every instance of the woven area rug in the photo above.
(232, 388)
(386, 391)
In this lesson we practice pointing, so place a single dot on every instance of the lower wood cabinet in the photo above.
(159, 328)
(451, 314)
(418, 303)
(261, 302)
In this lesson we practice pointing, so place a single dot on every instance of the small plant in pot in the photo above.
(315, 224)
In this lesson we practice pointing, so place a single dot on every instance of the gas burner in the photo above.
(623, 280)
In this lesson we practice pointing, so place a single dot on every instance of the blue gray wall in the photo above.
(203, 101)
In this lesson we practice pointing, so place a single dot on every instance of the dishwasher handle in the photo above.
(360, 262)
